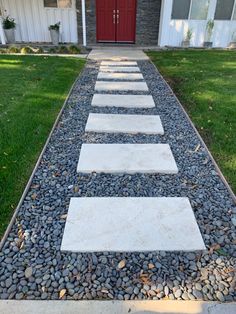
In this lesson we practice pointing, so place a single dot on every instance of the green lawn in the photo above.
(205, 83)
(32, 92)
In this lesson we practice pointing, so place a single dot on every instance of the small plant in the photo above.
(55, 27)
(13, 50)
(26, 50)
(189, 34)
(8, 23)
(209, 29)
(52, 50)
(74, 49)
(39, 50)
(63, 49)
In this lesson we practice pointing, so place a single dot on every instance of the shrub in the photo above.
(13, 50)
(26, 50)
(39, 50)
(63, 49)
(52, 50)
(74, 49)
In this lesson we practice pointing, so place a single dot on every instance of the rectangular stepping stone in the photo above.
(121, 86)
(120, 76)
(119, 69)
(126, 158)
(118, 63)
(121, 123)
(123, 101)
(131, 224)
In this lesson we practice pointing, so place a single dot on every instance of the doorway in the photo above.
(116, 21)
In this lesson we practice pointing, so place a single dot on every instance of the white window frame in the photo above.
(57, 7)
(233, 11)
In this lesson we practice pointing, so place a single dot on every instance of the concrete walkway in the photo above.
(101, 54)
(115, 307)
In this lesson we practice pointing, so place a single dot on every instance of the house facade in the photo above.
(142, 22)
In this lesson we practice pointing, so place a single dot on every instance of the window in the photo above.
(224, 9)
(180, 9)
(50, 3)
(58, 4)
(64, 3)
(199, 9)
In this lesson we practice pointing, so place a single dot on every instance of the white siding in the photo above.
(172, 32)
(33, 20)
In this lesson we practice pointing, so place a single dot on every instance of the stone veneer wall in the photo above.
(147, 22)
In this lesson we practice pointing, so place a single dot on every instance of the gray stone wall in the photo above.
(147, 21)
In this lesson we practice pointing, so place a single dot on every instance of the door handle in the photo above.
(114, 19)
(118, 16)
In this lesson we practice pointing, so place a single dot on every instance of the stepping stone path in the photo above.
(120, 86)
(119, 69)
(120, 76)
(126, 158)
(123, 101)
(122, 123)
(131, 224)
(128, 224)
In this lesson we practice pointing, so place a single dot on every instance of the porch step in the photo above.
(120, 76)
(119, 63)
(126, 158)
(119, 69)
(131, 224)
(123, 101)
(121, 86)
(121, 123)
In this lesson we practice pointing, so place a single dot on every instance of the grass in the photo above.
(33, 90)
(205, 83)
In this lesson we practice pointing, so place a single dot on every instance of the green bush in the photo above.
(74, 49)
(13, 50)
(63, 49)
(52, 50)
(26, 50)
(40, 50)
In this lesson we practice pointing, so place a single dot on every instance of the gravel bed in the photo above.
(31, 264)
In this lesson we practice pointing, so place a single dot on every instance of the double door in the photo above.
(116, 20)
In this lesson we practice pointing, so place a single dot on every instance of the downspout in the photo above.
(84, 23)
(2, 34)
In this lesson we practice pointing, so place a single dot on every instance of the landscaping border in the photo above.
(6, 233)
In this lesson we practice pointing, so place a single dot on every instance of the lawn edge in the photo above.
(13, 218)
(218, 170)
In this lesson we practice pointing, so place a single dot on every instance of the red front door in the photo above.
(116, 20)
